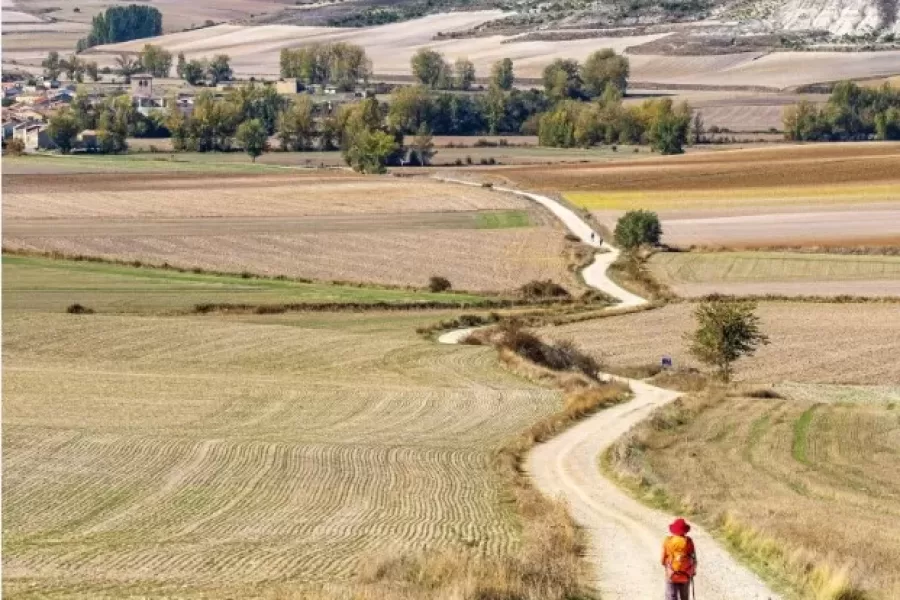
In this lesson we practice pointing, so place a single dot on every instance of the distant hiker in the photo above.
(680, 560)
(593, 235)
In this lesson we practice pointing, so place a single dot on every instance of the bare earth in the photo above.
(382, 230)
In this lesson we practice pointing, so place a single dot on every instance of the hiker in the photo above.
(680, 560)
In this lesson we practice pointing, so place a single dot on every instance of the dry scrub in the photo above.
(806, 492)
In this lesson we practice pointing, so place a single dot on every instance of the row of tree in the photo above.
(340, 64)
(566, 79)
(667, 127)
(113, 121)
(851, 113)
(122, 23)
(74, 67)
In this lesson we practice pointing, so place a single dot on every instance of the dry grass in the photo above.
(759, 273)
(807, 492)
(323, 227)
(811, 342)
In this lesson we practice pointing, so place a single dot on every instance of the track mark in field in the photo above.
(801, 435)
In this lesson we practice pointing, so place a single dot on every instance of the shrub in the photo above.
(561, 356)
(438, 284)
(637, 228)
(15, 147)
(543, 289)
(78, 309)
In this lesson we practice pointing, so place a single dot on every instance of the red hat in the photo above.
(679, 527)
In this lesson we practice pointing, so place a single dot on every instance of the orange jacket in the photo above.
(673, 545)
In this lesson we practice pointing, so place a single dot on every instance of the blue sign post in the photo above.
(666, 362)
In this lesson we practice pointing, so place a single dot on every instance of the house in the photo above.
(35, 136)
(142, 85)
(62, 96)
(291, 85)
(87, 140)
(9, 126)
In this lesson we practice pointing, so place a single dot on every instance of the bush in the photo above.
(78, 309)
(561, 356)
(438, 284)
(15, 147)
(543, 289)
(637, 228)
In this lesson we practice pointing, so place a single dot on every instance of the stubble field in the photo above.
(810, 342)
(787, 273)
(224, 456)
(782, 469)
(397, 231)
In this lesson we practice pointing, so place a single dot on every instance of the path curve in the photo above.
(624, 536)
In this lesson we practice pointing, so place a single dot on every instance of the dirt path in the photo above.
(625, 537)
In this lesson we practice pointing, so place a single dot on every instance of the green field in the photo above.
(502, 219)
(700, 267)
(237, 456)
(43, 284)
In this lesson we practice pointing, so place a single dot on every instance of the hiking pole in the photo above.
(693, 589)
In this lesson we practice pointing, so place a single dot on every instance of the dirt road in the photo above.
(625, 537)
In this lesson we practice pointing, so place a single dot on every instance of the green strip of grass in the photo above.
(37, 283)
(801, 435)
(502, 219)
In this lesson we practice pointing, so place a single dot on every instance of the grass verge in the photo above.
(804, 570)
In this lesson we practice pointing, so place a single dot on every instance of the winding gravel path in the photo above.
(625, 537)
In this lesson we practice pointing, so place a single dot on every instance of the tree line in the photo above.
(851, 113)
(340, 64)
(121, 24)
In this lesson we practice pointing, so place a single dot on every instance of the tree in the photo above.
(252, 137)
(422, 147)
(340, 63)
(180, 64)
(368, 151)
(463, 74)
(637, 228)
(63, 130)
(604, 68)
(156, 60)
(669, 126)
(219, 69)
(697, 130)
(122, 23)
(92, 71)
(495, 108)
(410, 108)
(429, 68)
(51, 66)
(296, 127)
(127, 66)
(70, 66)
(502, 74)
(193, 71)
(726, 331)
(562, 80)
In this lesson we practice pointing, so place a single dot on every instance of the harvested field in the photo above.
(812, 195)
(813, 343)
(782, 469)
(324, 227)
(254, 50)
(224, 456)
(42, 284)
(783, 273)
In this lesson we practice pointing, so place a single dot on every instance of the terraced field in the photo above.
(782, 469)
(224, 456)
(759, 273)
(317, 225)
(813, 343)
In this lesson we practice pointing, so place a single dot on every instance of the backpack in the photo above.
(681, 564)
